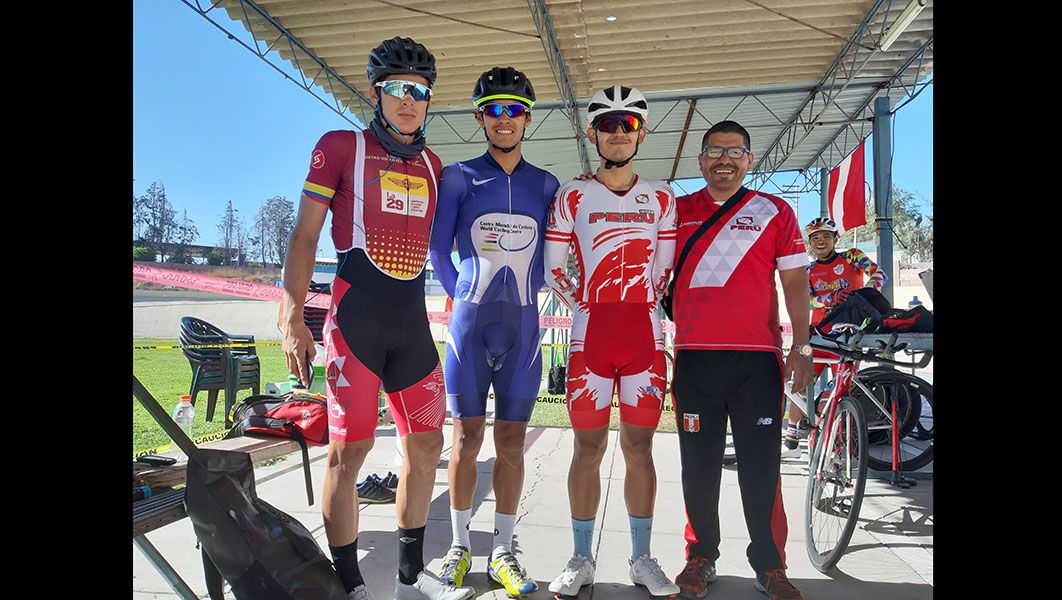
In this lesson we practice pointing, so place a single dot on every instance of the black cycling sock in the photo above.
(410, 554)
(345, 560)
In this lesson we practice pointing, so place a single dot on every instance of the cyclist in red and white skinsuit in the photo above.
(621, 231)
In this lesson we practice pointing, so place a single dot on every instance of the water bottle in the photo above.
(184, 416)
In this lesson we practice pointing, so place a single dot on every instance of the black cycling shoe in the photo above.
(390, 481)
(373, 492)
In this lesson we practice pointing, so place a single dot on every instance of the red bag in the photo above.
(914, 320)
(289, 416)
(300, 416)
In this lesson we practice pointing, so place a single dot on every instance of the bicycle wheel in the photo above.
(836, 480)
(888, 392)
(913, 398)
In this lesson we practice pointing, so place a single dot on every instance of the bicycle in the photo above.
(839, 441)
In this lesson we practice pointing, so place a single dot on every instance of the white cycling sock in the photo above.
(460, 520)
(503, 534)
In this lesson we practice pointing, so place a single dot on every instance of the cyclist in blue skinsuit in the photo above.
(495, 207)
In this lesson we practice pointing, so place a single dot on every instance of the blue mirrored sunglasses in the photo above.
(496, 110)
(399, 88)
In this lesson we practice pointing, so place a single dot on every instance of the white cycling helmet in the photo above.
(617, 99)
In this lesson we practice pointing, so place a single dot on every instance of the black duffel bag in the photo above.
(263, 552)
(865, 308)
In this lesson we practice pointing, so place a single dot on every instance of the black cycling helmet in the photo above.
(503, 83)
(400, 55)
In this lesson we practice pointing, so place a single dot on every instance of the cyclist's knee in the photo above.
(345, 459)
(423, 449)
(468, 437)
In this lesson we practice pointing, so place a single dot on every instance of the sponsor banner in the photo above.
(269, 293)
(219, 285)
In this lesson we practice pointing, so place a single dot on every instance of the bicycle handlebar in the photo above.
(850, 351)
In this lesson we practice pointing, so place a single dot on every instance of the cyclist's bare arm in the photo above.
(298, 270)
(797, 302)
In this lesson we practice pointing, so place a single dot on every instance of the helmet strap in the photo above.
(611, 164)
(380, 126)
(497, 147)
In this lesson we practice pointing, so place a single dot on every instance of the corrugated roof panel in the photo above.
(677, 48)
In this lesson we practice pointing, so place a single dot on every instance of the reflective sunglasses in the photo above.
(399, 88)
(610, 123)
(734, 152)
(496, 110)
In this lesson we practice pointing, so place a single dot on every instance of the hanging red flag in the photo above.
(847, 193)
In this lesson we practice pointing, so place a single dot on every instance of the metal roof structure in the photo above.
(800, 75)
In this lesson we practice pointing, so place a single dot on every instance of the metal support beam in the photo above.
(848, 65)
(168, 573)
(332, 83)
(824, 193)
(919, 56)
(883, 189)
(682, 140)
(544, 25)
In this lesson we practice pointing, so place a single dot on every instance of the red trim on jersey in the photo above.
(618, 194)
(779, 525)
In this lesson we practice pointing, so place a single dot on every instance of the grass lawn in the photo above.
(167, 375)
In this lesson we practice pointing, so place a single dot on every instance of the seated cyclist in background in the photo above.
(832, 276)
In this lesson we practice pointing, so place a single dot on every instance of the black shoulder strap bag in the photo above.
(667, 301)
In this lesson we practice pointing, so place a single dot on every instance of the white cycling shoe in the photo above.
(788, 452)
(577, 573)
(429, 587)
(645, 571)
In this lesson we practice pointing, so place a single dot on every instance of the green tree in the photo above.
(228, 227)
(143, 253)
(216, 258)
(272, 227)
(912, 230)
(184, 234)
(155, 217)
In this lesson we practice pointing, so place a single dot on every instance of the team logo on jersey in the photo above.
(838, 269)
(642, 199)
(691, 422)
(642, 216)
(649, 390)
(745, 224)
(407, 183)
(317, 160)
(403, 194)
(336, 410)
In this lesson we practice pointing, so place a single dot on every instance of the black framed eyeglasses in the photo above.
(734, 152)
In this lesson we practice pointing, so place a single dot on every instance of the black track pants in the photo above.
(709, 386)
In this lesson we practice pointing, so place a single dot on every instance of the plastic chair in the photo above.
(219, 369)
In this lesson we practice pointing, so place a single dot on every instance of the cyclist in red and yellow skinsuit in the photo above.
(831, 276)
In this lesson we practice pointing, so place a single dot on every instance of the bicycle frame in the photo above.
(847, 375)
(825, 422)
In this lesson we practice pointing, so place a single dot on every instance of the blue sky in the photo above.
(214, 123)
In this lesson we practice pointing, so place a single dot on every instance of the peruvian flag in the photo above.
(847, 193)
